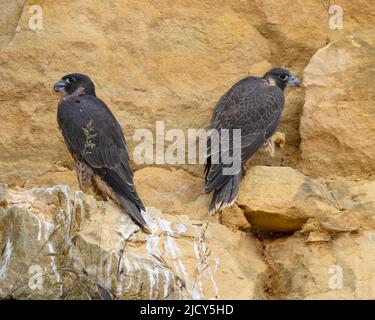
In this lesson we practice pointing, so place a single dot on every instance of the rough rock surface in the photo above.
(167, 190)
(282, 199)
(337, 129)
(57, 243)
(62, 244)
(303, 226)
(341, 269)
(150, 61)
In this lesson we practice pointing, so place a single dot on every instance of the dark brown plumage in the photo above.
(97, 144)
(253, 105)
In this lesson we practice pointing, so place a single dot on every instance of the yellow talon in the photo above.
(278, 139)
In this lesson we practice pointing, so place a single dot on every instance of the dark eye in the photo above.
(283, 76)
(70, 80)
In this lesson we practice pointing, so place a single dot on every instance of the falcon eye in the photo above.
(70, 80)
(283, 76)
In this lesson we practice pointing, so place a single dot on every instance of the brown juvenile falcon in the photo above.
(97, 144)
(253, 105)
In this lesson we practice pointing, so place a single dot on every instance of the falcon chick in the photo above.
(253, 105)
(97, 144)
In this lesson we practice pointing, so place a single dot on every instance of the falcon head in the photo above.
(75, 83)
(281, 77)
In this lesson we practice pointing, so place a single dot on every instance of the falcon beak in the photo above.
(293, 81)
(59, 86)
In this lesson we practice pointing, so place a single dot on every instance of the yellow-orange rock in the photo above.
(171, 61)
(281, 199)
(322, 270)
(337, 131)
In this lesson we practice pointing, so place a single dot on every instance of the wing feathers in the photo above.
(253, 107)
(93, 136)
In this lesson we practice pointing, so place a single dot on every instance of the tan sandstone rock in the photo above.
(357, 197)
(150, 62)
(167, 190)
(282, 199)
(167, 61)
(337, 131)
(341, 269)
(179, 192)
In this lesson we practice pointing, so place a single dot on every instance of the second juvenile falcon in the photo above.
(254, 106)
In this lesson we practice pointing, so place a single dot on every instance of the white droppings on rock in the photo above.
(52, 253)
(5, 259)
(208, 271)
(168, 276)
(161, 227)
(212, 274)
(49, 228)
(154, 282)
(175, 255)
(39, 230)
(197, 292)
(152, 246)
(159, 272)
(119, 285)
(127, 230)
(181, 228)
(165, 225)
(128, 270)
(108, 282)
(203, 268)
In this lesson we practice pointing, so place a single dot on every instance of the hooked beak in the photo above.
(293, 81)
(59, 86)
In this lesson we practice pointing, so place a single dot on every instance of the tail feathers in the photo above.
(225, 197)
(135, 213)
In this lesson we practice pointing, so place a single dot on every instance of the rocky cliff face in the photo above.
(303, 226)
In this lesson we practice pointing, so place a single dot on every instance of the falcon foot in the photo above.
(278, 139)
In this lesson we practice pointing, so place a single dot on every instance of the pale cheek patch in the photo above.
(63, 93)
(79, 91)
(271, 81)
